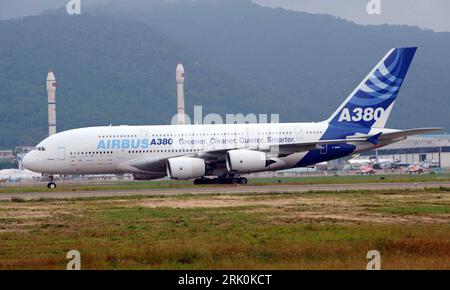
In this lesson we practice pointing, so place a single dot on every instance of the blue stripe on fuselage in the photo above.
(333, 151)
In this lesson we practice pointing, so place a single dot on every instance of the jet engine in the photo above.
(185, 167)
(246, 161)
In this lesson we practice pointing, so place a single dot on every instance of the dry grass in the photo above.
(411, 229)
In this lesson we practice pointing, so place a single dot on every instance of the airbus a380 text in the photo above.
(221, 153)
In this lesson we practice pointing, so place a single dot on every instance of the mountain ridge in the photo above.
(106, 71)
(120, 68)
(268, 48)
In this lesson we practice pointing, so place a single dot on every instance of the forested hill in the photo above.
(108, 72)
(307, 63)
(115, 64)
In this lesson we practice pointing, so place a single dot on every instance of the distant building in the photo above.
(23, 149)
(19, 158)
(423, 148)
(6, 155)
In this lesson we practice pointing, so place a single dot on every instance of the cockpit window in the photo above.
(39, 148)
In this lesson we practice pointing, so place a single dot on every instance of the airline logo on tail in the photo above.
(358, 114)
(373, 99)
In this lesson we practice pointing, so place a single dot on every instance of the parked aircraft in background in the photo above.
(377, 163)
(415, 168)
(366, 169)
(17, 175)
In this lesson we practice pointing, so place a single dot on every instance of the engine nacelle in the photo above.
(246, 161)
(185, 167)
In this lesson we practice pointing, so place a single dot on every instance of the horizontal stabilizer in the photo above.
(410, 132)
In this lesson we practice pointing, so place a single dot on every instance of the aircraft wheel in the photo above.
(243, 180)
(51, 185)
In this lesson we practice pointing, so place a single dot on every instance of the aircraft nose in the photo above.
(29, 161)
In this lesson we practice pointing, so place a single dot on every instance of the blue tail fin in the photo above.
(371, 102)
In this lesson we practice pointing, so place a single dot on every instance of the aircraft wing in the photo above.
(213, 156)
(384, 138)
(285, 149)
(306, 146)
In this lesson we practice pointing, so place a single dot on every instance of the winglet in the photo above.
(374, 139)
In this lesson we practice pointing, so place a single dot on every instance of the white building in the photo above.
(6, 155)
(416, 149)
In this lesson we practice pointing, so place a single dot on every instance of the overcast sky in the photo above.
(19, 8)
(430, 14)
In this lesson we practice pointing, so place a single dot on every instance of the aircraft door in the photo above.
(61, 153)
(144, 134)
(120, 154)
(298, 135)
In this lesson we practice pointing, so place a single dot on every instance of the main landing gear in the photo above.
(51, 184)
(221, 180)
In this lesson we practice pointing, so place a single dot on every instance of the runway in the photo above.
(231, 189)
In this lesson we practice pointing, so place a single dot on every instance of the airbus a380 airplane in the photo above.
(225, 151)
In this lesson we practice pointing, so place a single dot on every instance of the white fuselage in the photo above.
(121, 149)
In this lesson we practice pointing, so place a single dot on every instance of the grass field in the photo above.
(132, 185)
(317, 230)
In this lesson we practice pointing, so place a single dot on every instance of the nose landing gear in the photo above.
(51, 184)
